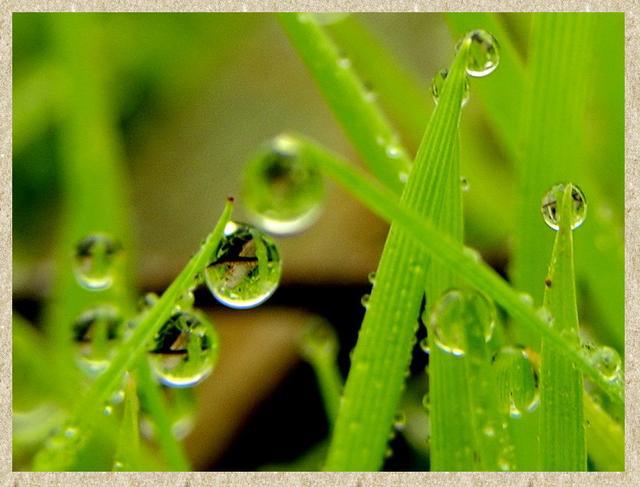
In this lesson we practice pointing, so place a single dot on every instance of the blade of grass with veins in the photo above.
(442, 248)
(562, 440)
(382, 353)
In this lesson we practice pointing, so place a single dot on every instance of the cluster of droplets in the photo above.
(550, 205)
(483, 57)
(282, 187)
(455, 314)
(245, 269)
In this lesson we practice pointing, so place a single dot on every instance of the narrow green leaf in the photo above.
(384, 203)
(355, 109)
(127, 457)
(562, 441)
(319, 347)
(605, 438)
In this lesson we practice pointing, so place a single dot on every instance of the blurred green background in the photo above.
(185, 99)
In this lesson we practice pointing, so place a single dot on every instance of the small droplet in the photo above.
(372, 277)
(483, 55)
(186, 301)
(318, 340)
(527, 299)
(118, 466)
(344, 62)
(147, 301)
(96, 334)
(549, 206)
(473, 253)
(424, 345)
(117, 397)
(94, 260)
(245, 268)
(71, 432)
(108, 410)
(185, 350)
(464, 184)
(364, 301)
(608, 363)
(545, 315)
(283, 189)
(517, 381)
(438, 83)
(394, 151)
(426, 402)
(455, 313)
(400, 421)
(403, 176)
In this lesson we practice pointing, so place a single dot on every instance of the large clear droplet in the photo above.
(454, 315)
(283, 190)
(550, 205)
(184, 350)
(94, 261)
(608, 362)
(438, 83)
(484, 54)
(517, 381)
(96, 334)
(245, 269)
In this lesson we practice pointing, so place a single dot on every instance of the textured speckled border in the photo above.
(632, 255)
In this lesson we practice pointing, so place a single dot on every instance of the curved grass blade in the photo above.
(363, 122)
(562, 441)
(384, 203)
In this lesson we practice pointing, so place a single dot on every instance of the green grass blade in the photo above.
(442, 248)
(151, 392)
(319, 347)
(363, 122)
(133, 349)
(382, 354)
(605, 438)
(562, 441)
(127, 457)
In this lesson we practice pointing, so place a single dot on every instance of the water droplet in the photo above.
(344, 62)
(372, 277)
(608, 362)
(438, 83)
(117, 397)
(426, 402)
(245, 268)
(393, 151)
(364, 301)
(489, 431)
(118, 466)
(527, 299)
(71, 432)
(517, 381)
(400, 421)
(185, 302)
(549, 206)
(504, 465)
(473, 253)
(545, 315)
(94, 260)
(147, 301)
(403, 176)
(483, 55)
(453, 316)
(318, 339)
(96, 334)
(185, 350)
(464, 184)
(108, 410)
(282, 189)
